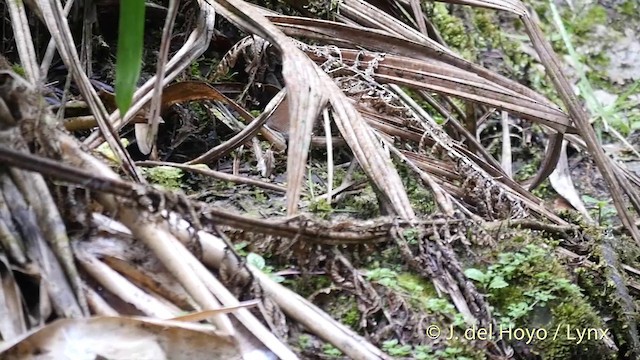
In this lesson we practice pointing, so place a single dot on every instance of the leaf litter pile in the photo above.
(318, 192)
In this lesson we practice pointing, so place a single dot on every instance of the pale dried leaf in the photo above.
(12, 323)
(563, 184)
(120, 338)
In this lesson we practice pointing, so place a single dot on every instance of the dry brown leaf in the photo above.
(120, 338)
(12, 322)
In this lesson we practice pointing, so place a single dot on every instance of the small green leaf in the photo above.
(129, 57)
(105, 150)
(589, 199)
(256, 260)
(475, 274)
(498, 283)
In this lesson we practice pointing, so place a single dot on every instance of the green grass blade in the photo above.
(129, 57)
(586, 90)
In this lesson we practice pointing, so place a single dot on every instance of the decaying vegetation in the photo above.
(353, 210)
